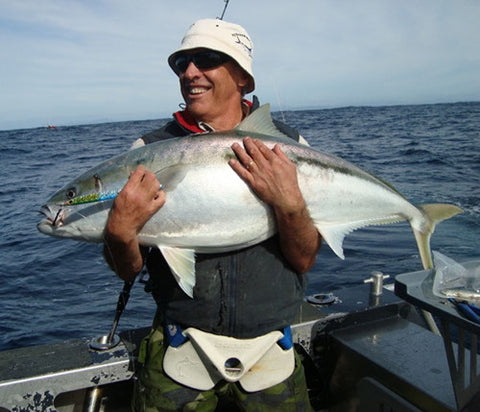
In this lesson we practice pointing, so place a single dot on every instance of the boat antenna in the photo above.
(224, 10)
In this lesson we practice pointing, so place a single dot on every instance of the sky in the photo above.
(67, 62)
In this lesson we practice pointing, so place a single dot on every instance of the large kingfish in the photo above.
(209, 209)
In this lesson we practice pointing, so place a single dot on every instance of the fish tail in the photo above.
(434, 213)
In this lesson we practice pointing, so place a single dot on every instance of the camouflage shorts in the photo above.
(154, 391)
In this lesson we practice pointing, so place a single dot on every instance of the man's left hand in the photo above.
(270, 173)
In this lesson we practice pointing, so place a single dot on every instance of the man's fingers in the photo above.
(245, 160)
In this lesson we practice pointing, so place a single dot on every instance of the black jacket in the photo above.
(244, 293)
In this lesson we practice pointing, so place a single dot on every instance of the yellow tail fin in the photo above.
(434, 213)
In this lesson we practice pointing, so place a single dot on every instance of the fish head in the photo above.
(86, 223)
(80, 209)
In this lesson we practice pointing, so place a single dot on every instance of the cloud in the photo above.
(78, 61)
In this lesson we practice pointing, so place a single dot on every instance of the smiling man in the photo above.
(245, 298)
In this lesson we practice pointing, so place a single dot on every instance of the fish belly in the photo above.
(211, 210)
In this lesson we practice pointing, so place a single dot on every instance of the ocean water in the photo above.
(56, 289)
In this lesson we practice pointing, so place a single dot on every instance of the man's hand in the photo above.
(270, 173)
(137, 202)
(273, 176)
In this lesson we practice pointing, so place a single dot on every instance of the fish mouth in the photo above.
(54, 216)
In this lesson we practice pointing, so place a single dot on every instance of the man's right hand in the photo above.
(137, 202)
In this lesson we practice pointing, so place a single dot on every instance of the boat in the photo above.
(365, 348)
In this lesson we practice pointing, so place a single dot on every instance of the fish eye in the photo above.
(71, 193)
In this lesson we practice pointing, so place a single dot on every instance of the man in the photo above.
(238, 295)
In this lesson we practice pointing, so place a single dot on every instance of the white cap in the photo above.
(228, 38)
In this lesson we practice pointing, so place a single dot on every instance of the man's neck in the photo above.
(227, 120)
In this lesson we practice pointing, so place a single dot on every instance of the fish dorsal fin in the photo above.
(260, 121)
(182, 265)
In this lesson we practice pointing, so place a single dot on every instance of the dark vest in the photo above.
(244, 293)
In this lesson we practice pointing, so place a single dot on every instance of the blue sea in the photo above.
(55, 289)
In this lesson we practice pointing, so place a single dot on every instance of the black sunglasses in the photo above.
(202, 60)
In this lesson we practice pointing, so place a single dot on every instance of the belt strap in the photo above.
(176, 337)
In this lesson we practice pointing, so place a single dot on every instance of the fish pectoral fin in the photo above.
(170, 177)
(182, 265)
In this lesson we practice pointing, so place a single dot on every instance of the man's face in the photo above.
(210, 92)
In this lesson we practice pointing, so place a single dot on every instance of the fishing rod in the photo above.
(111, 340)
(224, 9)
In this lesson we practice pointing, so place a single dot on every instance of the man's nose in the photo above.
(192, 70)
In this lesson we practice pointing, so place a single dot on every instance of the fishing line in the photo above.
(278, 100)
(274, 85)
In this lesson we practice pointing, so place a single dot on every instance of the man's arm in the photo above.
(274, 178)
(136, 203)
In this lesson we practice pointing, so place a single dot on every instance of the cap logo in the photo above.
(244, 41)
